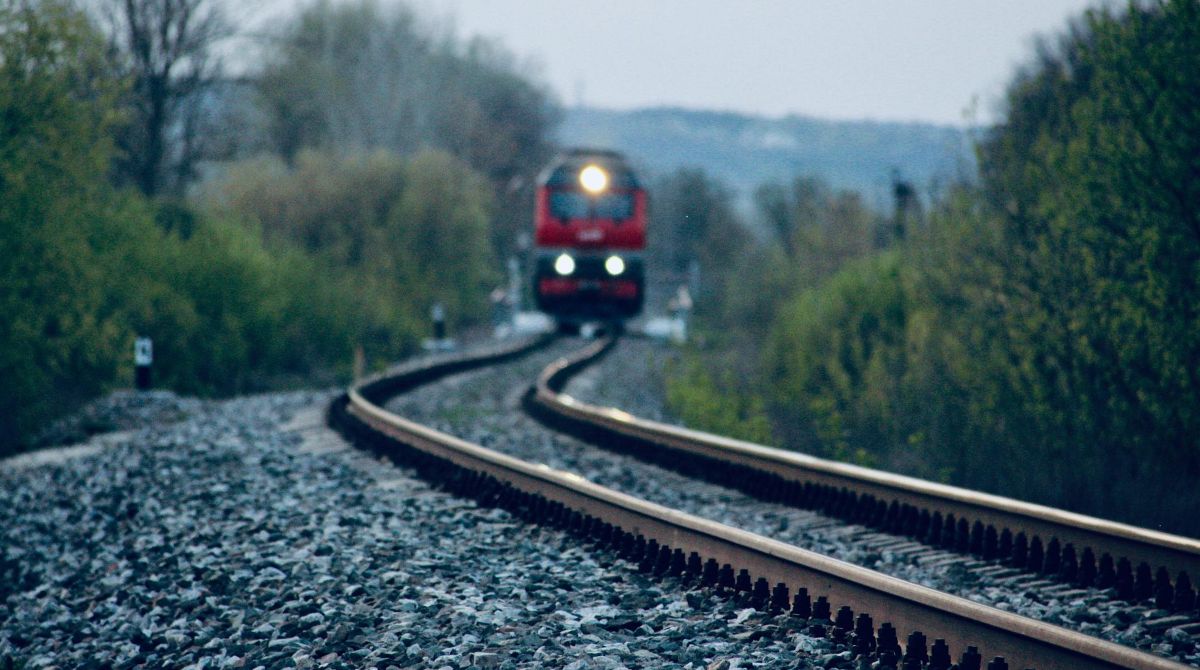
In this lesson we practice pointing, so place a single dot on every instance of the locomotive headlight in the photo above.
(564, 265)
(614, 265)
(593, 179)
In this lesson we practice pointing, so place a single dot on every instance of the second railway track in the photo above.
(1075, 549)
(739, 561)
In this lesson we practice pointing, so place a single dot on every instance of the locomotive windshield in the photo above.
(576, 205)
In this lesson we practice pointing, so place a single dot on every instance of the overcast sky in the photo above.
(925, 60)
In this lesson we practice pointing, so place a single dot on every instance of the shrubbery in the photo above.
(1039, 335)
(405, 232)
(695, 394)
(278, 274)
(833, 354)
(57, 110)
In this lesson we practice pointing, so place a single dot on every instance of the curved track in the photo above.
(1073, 548)
(840, 599)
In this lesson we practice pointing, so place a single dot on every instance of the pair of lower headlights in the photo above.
(565, 265)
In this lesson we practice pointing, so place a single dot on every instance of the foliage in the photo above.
(441, 224)
(1048, 316)
(1096, 171)
(56, 107)
(356, 77)
(231, 313)
(834, 352)
(414, 231)
(1050, 319)
(811, 232)
(82, 267)
(353, 78)
(700, 398)
(165, 50)
(818, 230)
(694, 222)
(284, 279)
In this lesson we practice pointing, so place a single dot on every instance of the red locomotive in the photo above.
(590, 232)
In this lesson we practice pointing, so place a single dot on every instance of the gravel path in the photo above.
(482, 407)
(249, 536)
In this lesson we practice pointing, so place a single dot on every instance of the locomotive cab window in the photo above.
(577, 205)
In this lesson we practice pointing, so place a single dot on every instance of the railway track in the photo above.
(871, 612)
(1072, 549)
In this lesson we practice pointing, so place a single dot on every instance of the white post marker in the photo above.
(143, 356)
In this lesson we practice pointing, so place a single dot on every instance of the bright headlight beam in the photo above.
(614, 265)
(593, 179)
(564, 264)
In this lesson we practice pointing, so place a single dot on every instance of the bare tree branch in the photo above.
(165, 48)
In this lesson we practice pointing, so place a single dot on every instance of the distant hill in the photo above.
(746, 151)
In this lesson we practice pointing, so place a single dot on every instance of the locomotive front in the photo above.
(590, 232)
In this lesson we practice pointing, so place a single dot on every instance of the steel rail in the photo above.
(987, 525)
(659, 536)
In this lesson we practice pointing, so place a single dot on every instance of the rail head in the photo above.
(1176, 553)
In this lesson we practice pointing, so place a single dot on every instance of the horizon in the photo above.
(940, 62)
(770, 117)
(943, 62)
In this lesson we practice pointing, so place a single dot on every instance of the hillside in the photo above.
(746, 150)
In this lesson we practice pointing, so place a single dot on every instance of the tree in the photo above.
(1052, 319)
(165, 48)
(818, 229)
(57, 98)
(694, 222)
(413, 230)
(353, 78)
(1096, 168)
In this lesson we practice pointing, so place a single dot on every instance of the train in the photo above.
(589, 239)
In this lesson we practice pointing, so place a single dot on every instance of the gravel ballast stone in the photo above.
(483, 407)
(245, 534)
(227, 541)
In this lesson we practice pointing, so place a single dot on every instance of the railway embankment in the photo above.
(245, 533)
(248, 535)
(482, 406)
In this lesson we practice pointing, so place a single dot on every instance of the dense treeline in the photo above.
(357, 77)
(57, 110)
(807, 232)
(1038, 335)
(281, 262)
(413, 230)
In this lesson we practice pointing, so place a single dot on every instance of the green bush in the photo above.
(832, 357)
(1039, 338)
(709, 400)
(403, 233)
(56, 108)
(1094, 175)
(278, 275)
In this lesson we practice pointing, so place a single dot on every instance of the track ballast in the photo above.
(571, 503)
